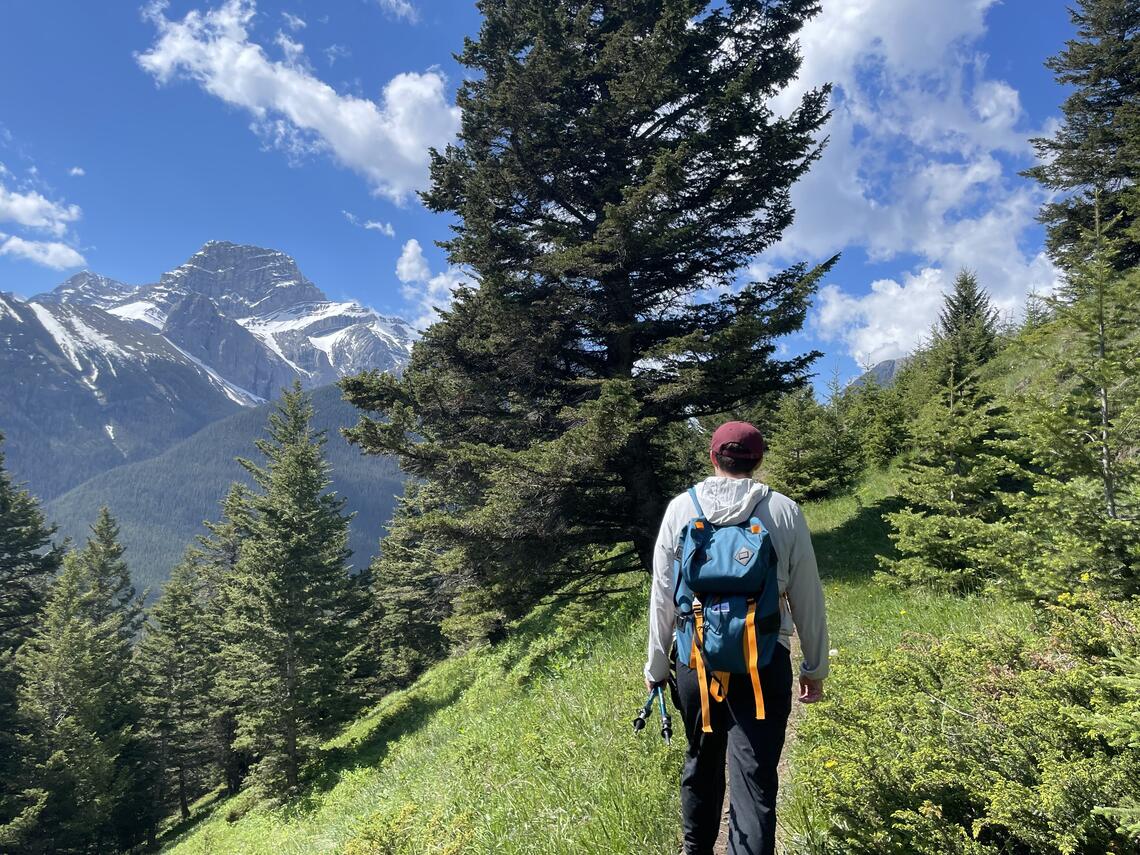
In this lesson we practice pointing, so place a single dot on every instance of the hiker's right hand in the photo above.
(811, 690)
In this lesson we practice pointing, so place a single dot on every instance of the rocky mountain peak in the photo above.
(89, 289)
(242, 279)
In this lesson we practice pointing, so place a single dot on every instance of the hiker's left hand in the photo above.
(811, 690)
(650, 685)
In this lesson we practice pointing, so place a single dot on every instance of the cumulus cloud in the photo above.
(77, 172)
(385, 140)
(918, 165)
(52, 254)
(33, 210)
(425, 292)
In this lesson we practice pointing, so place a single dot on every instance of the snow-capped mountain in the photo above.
(96, 372)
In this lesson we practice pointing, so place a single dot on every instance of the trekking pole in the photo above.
(646, 711)
(666, 722)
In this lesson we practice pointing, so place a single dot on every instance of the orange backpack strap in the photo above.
(752, 655)
(698, 660)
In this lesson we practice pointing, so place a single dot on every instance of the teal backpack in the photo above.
(728, 604)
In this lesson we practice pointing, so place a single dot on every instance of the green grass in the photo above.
(865, 617)
(527, 747)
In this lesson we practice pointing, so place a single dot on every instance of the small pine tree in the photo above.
(1080, 426)
(967, 333)
(177, 675)
(80, 697)
(792, 464)
(293, 611)
(879, 419)
(28, 561)
(408, 603)
(842, 456)
(945, 536)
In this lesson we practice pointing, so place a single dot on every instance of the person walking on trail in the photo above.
(733, 571)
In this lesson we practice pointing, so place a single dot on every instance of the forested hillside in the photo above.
(160, 503)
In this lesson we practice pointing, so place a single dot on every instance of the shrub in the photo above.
(979, 745)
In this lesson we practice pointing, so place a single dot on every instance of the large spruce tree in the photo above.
(80, 696)
(28, 561)
(293, 611)
(617, 167)
(1096, 150)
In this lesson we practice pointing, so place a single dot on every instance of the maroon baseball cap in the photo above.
(747, 437)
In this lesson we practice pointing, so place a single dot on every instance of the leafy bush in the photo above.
(979, 744)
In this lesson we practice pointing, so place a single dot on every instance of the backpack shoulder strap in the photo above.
(696, 502)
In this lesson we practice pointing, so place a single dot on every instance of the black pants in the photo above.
(753, 747)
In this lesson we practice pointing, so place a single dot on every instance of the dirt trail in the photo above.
(785, 763)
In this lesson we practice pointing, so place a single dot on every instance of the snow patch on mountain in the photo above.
(141, 310)
(231, 390)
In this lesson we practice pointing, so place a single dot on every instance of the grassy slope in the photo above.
(526, 747)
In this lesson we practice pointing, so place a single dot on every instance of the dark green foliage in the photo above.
(161, 502)
(879, 420)
(1096, 151)
(80, 699)
(816, 449)
(28, 560)
(408, 599)
(954, 517)
(951, 535)
(617, 166)
(980, 745)
(966, 336)
(178, 674)
(292, 609)
(1079, 426)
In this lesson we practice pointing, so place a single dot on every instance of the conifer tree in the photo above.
(617, 164)
(293, 613)
(966, 335)
(950, 536)
(408, 600)
(217, 559)
(80, 697)
(879, 419)
(841, 447)
(954, 514)
(1080, 426)
(794, 462)
(178, 673)
(1093, 159)
(28, 561)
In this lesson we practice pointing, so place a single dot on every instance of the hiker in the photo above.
(741, 714)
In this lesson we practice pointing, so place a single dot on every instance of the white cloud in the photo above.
(293, 22)
(400, 9)
(917, 165)
(385, 140)
(425, 292)
(77, 172)
(385, 229)
(31, 209)
(412, 266)
(47, 253)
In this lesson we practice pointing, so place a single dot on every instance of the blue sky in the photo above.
(131, 134)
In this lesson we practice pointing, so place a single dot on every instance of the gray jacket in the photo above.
(726, 501)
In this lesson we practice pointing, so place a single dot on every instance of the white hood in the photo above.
(728, 501)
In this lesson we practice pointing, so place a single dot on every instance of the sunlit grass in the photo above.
(527, 747)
